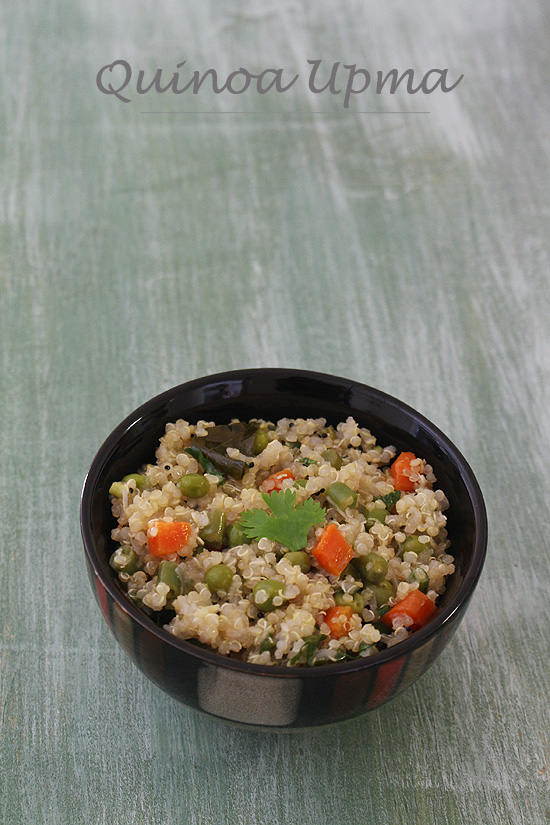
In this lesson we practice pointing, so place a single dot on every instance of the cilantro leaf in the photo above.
(289, 523)
(310, 645)
(306, 461)
(268, 643)
(390, 499)
(343, 654)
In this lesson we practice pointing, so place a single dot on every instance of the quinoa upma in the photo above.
(293, 543)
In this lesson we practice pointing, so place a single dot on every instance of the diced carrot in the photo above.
(416, 605)
(275, 481)
(339, 620)
(401, 471)
(167, 537)
(332, 550)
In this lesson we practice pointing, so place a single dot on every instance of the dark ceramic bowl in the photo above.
(258, 695)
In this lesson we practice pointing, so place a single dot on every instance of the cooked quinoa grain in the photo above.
(295, 543)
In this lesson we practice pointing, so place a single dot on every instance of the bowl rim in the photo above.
(211, 657)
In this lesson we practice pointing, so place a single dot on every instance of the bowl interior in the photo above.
(274, 394)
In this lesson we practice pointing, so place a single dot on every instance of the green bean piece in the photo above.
(377, 623)
(261, 440)
(168, 574)
(333, 458)
(218, 578)
(194, 485)
(372, 516)
(346, 600)
(140, 480)
(419, 575)
(265, 592)
(268, 643)
(116, 489)
(383, 592)
(412, 544)
(212, 534)
(341, 496)
(235, 535)
(372, 567)
(125, 560)
(300, 558)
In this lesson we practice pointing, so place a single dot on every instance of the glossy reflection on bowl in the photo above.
(267, 696)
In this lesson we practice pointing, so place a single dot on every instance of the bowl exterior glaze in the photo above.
(268, 696)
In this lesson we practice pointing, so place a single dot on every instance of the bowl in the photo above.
(264, 696)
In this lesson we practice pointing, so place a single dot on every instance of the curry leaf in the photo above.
(214, 446)
(205, 463)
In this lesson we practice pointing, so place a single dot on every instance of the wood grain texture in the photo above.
(138, 251)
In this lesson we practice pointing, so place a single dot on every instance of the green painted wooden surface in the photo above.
(138, 251)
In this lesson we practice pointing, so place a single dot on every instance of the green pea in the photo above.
(125, 560)
(346, 600)
(265, 592)
(383, 592)
(372, 516)
(268, 643)
(218, 578)
(235, 535)
(419, 575)
(341, 496)
(412, 544)
(261, 440)
(333, 458)
(372, 567)
(116, 489)
(194, 485)
(168, 574)
(140, 480)
(300, 482)
(212, 534)
(300, 558)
